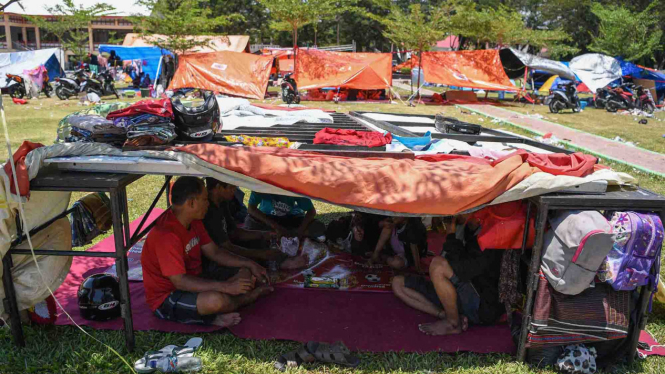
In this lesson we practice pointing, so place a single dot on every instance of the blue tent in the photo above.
(17, 62)
(150, 56)
(634, 71)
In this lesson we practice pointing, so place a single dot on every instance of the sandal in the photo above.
(294, 359)
(336, 353)
(142, 366)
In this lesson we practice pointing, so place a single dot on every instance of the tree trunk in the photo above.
(316, 31)
(295, 48)
(337, 30)
(420, 69)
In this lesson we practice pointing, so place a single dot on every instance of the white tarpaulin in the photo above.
(514, 62)
(596, 70)
(17, 62)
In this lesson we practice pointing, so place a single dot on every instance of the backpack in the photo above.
(575, 248)
(639, 238)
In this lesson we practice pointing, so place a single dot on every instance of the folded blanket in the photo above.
(141, 119)
(94, 124)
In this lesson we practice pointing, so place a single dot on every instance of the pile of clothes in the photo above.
(147, 122)
(89, 124)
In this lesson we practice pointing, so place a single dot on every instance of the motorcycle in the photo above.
(15, 86)
(564, 98)
(600, 100)
(621, 97)
(102, 85)
(645, 100)
(69, 86)
(46, 88)
(290, 93)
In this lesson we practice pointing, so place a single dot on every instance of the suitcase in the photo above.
(449, 125)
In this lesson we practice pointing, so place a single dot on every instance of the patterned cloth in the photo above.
(597, 314)
(64, 127)
(577, 359)
(255, 141)
(509, 294)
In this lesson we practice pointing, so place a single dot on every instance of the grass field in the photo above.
(66, 350)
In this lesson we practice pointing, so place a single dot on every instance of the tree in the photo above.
(324, 10)
(176, 21)
(416, 30)
(621, 32)
(254, 19)
(71, 25)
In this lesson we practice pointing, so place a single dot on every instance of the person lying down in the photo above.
(463, 285)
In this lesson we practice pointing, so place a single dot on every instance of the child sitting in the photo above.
(408, 240)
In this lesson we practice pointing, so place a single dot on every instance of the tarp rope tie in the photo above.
(32, 250)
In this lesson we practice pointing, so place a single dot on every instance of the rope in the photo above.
(32, 250)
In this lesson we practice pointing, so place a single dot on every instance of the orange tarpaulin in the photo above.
(285, 66)
(363, 71)
(444, 187)
(474, 69)
(411, 63)
(230, 73)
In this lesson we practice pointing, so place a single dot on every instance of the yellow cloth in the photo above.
(660, 295)
(256, 141)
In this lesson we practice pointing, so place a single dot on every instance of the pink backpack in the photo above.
(639, 238)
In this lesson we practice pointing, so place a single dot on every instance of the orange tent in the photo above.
(474, 69)
(363, 71)
(230, 73)
(285, 66)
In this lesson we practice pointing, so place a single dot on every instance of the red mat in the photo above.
(376, 322)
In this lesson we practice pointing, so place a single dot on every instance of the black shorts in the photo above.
(468, 299)
(180, 306)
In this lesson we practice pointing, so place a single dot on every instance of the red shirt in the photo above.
(170, 249)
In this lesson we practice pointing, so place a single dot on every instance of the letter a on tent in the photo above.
(362, 71)
(230, 73)
(473, 69)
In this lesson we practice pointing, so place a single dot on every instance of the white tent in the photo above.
(17, 62)
(596, 70)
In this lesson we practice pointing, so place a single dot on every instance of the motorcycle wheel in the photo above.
(297, 100)
(611, 107)
(649, 108)
(47, 92)
(60, 94)
(16, 93)
(553, 108)
(598, 104)
(577, 109)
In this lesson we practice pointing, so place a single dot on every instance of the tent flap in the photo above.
(515, 61)
(363, 71)
(596, 70)
(17, 62)
(230, 73)
(480, 69)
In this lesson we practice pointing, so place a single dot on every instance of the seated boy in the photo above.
(408, 240)
(177, 288)
(288, 216)
(222, 228)
(463, 289)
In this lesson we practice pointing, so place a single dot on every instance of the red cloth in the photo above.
(502, 226)
(352, 137)
(19, 101)
(21, 169)
(576, 164)
(170, 249)
(160, 108)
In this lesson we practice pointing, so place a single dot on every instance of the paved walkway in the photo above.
(638, 157)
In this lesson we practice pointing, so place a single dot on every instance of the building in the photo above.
(21, 35)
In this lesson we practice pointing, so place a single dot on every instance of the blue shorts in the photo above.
(468, 299)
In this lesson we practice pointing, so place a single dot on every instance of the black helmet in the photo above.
(99, 297)
(196, 123)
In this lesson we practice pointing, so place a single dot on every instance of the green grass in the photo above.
(66, 350)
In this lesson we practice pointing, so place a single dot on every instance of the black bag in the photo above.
(449, 125)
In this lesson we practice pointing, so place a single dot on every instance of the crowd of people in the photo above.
(206, 258)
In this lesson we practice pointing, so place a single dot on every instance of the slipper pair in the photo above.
(178, 357)
(336, 353)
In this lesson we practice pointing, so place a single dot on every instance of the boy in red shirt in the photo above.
(176, 287)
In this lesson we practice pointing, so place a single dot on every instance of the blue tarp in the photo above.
(150, 56)
(634, 71)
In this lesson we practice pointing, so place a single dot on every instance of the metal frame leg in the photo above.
(532, 279)
(10, 302)
(118, 209)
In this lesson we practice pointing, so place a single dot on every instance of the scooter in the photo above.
(102, 85)
(645, 100)
(69, 86)
(564, 98)
(290, 93)
(46, 87)
(621, 98)
(600, 100)
(15, 86)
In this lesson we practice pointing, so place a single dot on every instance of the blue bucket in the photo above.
(583, 104)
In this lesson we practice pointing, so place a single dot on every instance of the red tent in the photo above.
(363, 71)
(474, 69)
(230, 73)
(582, 88)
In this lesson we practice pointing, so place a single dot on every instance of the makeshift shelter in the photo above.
(284, 58)
(230, 73)
(516, 62)
(596, 70)
(17, 62)
(640, 74)
(216, 43)
(473, 69)
(362, 71)
(150, 57)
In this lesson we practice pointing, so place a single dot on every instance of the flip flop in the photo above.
(336, 353)
(294, 359)
(142, 366)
